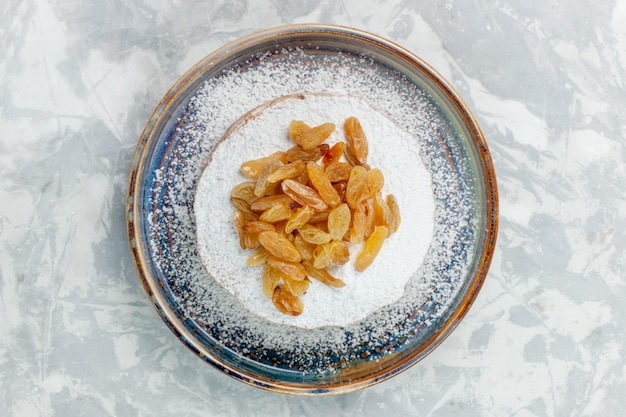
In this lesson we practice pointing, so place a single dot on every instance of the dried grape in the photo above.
(270, 279)
(311, 137)
(333, 155)
(305, 155)
(291, 170)
(244, 208)
(338, 171)
(267, 202)
(357, 187)
(322, 184)
(322, 275)
(286, 302)
(294, 270)
(371, 248)
(244, 191)
(395, 211)
(321, 256)
(263, 185)
(258, 257)
(299, 218)
(339, 252)
(313, 234)
(356, 139)
(279, 246)
(276, 213)
(304, 195)
(253, 168)
(339, 221)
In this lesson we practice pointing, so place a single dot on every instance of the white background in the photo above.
(545, 80)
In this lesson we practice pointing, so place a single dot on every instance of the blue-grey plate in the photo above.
(169, 161)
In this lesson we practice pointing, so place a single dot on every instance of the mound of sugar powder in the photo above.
(369, 330)
(265, 132)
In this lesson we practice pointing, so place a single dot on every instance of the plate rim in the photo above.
(491, 211)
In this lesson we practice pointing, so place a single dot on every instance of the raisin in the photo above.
(322, 184)
(371, 248)
(294, 270)
(279, 246)
(339, 221)
(299, 218)
(357, 141)
(276, 213)
(286, 302)
(312, 137)
(357, 187)
(322, 275)
(333, 155)
(313, 234)
(304, 195)
(253, 168)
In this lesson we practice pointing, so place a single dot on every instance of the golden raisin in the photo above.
(279, 246)
(299, 218)
(319, 216)
(338, 171)
(312, 137)
(370, 220)
(357, 142)
(357, 231)
(266, 203)
(322, 275)
(313, 234)
(304, 248)
(357, 187)
(244, 208)
(253, 168)
(333, 155)
(263, 185)
(270, 279)
(395, 211)
(304, 195)
(244, 191)
(257, 226)
(341, 189)
(296, 288)
(305, 155)
(240, 220)
(339, 221)
(286, 302)
(291, 170)
(258, 257)
(382, 213)
(339, 252)
(371, 248)
(375, 181)
(276, 213)
(322, 184)
(294, 270)
(296, 128)
(321, 256)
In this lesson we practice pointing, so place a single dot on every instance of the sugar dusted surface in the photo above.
(403, 315)
(264, 131)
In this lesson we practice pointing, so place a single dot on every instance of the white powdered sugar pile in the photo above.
(266, 131)
(422, 271)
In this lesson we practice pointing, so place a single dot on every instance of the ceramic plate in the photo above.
(183, 136)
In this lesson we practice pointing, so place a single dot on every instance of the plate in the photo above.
(182, 136)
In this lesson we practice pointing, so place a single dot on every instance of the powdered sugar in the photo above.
(436, 266)
(265, 131)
